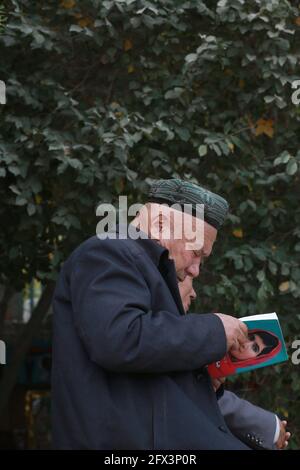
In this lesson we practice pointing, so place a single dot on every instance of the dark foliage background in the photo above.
(104, 96)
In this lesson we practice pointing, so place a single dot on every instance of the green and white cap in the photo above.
(176, 191)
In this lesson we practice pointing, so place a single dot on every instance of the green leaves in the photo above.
(174, 94)
(105, 96)
(191, 58)
(202, 150)
(284, 157)
(292, 167)
(2, 18)
(290, 161)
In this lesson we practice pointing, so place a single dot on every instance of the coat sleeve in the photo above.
(112, 314)
(248, 422)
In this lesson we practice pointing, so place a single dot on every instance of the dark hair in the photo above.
(270, 341)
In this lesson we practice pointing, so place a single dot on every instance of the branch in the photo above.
(23, 343)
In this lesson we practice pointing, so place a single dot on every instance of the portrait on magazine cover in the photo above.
(261, 348)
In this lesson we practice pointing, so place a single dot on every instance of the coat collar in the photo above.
(153, 249)
(160, 257)
(167, 269)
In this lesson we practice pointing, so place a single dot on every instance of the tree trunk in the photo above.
(23, 343)
(7, 295)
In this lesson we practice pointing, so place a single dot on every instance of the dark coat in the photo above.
(128, 364)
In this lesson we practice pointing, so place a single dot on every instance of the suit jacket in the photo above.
(251, 424)
(128, 364)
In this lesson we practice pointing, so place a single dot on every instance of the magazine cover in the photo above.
(265, 347)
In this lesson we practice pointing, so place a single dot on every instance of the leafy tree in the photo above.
(103, 96)
(2, 16)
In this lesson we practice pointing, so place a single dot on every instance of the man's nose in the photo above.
(193, 270)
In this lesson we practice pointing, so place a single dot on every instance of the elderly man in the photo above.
(250, 423)
(128, 364)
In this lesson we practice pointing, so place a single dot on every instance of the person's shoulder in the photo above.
(107, 247)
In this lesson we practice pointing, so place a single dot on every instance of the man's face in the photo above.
(187, 253)
(187, 292)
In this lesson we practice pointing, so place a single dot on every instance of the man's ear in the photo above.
(155, 226)
(159, 227)
(160, 223)
(165, 226)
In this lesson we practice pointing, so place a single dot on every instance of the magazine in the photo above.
(265, 347)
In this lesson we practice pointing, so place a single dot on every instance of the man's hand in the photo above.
(236, 331)
(284, 436)
(217, 383)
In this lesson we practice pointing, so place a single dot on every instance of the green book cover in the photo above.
(265, 347)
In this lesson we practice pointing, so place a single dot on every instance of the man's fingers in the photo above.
(218, 382)
(236, 331)
(241, 340)
(242, 337)
(244, 329)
